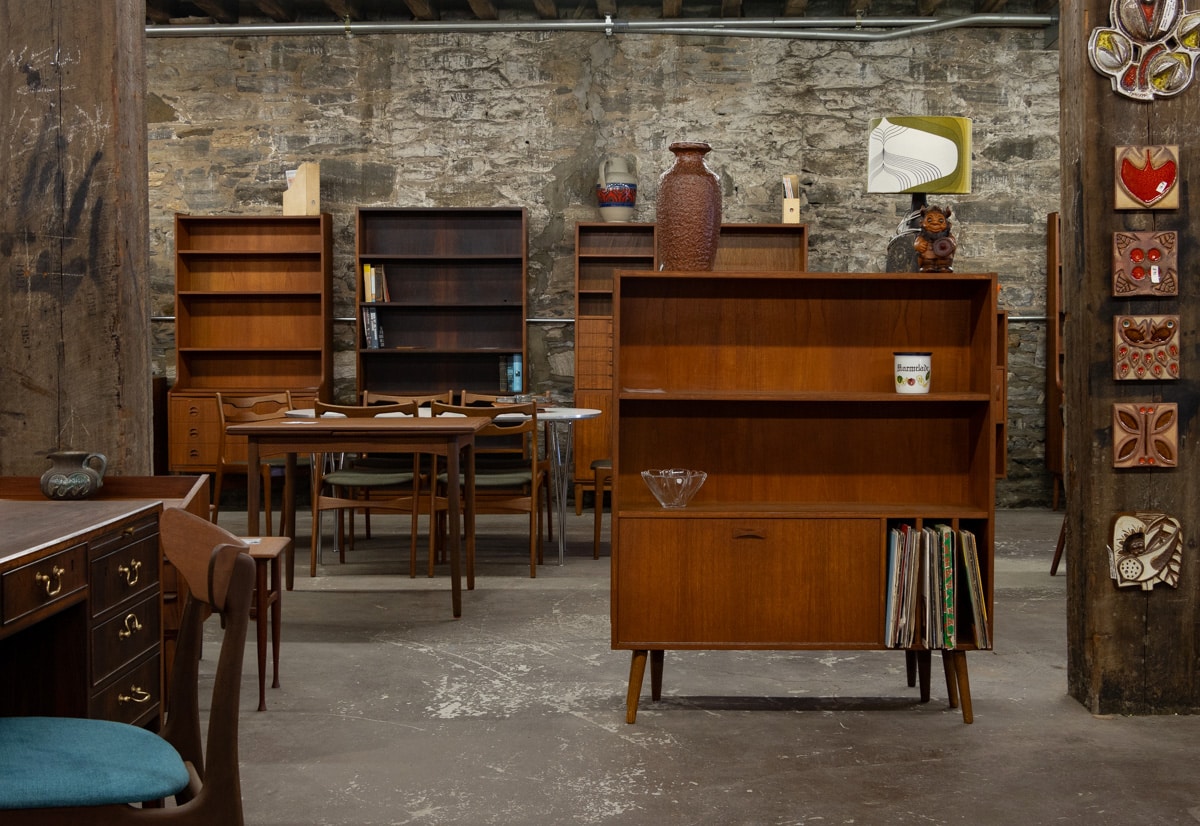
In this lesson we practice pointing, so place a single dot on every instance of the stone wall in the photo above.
(524, 119)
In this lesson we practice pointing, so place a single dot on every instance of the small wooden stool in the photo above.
(267, 552)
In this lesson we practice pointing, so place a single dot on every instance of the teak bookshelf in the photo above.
(253, 314)
(780, 386)
(454, 314)
(603, 248)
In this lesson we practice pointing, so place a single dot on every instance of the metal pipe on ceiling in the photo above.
(787, 28)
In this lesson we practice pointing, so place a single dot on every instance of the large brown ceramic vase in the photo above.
(689, 210)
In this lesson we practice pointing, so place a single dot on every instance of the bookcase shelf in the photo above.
(780, 386)
(253, 314)
(603, 248)
(454, 314)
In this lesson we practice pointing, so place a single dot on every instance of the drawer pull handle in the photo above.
(748, 534)
(128, 531)
(54, 576)
(132, 626)
(131, 571)
(136, 694)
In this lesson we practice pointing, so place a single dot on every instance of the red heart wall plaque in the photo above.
(1148, 174)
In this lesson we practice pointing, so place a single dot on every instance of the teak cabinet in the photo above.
(253, 314)
(453, 313)
(780, 386)
(603, 248)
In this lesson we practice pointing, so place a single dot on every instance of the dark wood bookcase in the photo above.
(603, 248)
(780, 386)
(454, 314)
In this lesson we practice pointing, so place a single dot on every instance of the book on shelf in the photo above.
(382, 293)
(971, 593)
(372, 338)
(368, 283)
(948, 568)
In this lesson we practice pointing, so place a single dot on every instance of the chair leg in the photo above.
(215, 508)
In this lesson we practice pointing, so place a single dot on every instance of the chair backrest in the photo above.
(372, 397)
(220, 577)
(355, 411)
(242, 409)
(502, 434)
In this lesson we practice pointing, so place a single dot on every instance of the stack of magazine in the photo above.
(935, 593)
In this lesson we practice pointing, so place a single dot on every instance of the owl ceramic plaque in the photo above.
(1145, 347)
(1147, 548)
(1145, 434)
(1147, 177)
(1145, 264)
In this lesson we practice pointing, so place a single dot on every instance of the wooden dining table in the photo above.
(449, 437)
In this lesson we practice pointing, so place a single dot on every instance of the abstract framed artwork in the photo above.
(1146, 177)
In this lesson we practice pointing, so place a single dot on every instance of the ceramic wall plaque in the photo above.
(1147, 548)
(1145, 434)
(1146, 177)
(1148, 48)
(1145, 264)
(1145, 347)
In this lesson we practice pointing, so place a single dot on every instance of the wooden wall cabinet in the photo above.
(603, 248)
(453, 316)
(253, 314)
(780, 386)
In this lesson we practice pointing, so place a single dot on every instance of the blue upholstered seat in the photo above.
(63, 761)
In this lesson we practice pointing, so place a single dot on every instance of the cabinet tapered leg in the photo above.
(910, 667)
(637, 670)
(959, 661)
(951, 679)
(923, 657)
(656, 674)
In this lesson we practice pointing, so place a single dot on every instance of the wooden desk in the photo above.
(450, 437)
(80, 609)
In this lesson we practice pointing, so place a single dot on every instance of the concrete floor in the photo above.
(392, 712)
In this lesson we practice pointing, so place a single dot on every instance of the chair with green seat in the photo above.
(339, 485)
(58, 771)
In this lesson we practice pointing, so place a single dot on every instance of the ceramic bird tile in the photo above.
(1145, 347)
(1147, 548)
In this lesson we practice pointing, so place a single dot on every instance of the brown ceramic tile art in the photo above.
(1146, 177)
(1145, 347)
(1145, 434)
(1145, 264)
(1147, 548)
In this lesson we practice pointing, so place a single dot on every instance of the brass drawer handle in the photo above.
(55, 575)
(131, 571)
(132, 626)
(136, 694)
(128, 531)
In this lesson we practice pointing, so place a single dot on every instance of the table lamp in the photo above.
(920, 156)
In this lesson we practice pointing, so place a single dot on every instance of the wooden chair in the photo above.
(511, 487)
(343, 485)
(237, 410)
(371, 398)
(602, 472)
(74, 772)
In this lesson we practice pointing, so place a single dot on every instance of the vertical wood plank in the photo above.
(74, 235)
(1129, 651)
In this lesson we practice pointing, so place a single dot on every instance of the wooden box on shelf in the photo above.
(253, 314)
(441, 299)
(603, 248)
(781, 387)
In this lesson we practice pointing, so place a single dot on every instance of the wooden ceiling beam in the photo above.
(223, 11)
(546, 9)
(345, 9)
(484, 9)
(161, 11)
(281, 11)
(795, 8)
(672, 8)
(422, 10)
(731, 8)
(928, 7)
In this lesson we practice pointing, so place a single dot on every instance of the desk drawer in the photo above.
(124, 638)
(124, 565)
(43, 583)
(131, 698)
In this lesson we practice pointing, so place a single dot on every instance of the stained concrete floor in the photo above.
(392, 712)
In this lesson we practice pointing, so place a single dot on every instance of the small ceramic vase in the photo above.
(689, 210)
(74, 474)
(616, 190)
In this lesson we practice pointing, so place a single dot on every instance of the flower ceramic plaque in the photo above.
(1145, 435)
(1145, 347)
(1145, 264)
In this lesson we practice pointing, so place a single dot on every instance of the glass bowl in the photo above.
(674, 487)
